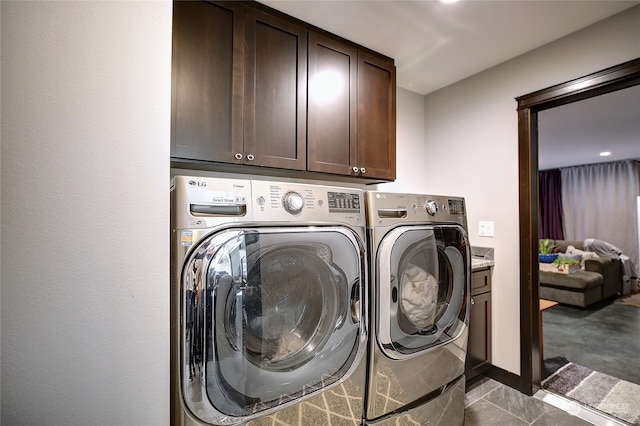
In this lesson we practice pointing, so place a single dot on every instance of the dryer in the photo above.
(420, 269)
(268, 300)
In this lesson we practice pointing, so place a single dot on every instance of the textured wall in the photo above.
(85, 172)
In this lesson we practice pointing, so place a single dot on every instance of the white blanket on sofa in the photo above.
(580, 255)
(603, 248)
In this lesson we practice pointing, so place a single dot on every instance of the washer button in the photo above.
(293, 202)
(431, 207)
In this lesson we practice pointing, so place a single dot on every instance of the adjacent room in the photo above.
(589, 199)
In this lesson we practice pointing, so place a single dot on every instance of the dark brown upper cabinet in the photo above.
(207, 81)
(376, 116)
(253, 86)
(275, 92)
(351, 110)
(333, 126)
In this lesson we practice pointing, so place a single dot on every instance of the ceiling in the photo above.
(436, 44)
(577, 133)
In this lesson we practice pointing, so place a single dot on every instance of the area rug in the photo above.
(615, 397)
(632, 300)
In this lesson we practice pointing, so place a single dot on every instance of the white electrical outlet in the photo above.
(485, 228)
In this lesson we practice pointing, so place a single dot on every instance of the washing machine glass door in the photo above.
(423, 280)
(272, 315)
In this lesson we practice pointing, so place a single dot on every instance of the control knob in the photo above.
(293, 202)
(431, 207)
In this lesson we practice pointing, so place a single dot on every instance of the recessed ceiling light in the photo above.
(448, 1)
(605, 154)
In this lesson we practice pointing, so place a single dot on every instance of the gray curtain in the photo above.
(599, 201)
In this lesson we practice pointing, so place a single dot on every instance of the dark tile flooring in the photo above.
(604, 338)
(490, 403)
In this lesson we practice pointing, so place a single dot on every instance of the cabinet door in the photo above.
(332, 140)
(376, 117)
(275, 128)
(479, 346)
(480, 281)
(208, 43)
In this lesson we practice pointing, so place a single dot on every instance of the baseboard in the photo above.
(512, 380)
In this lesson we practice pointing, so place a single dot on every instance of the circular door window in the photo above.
(284, 323)
(278, 318)
(423, 285)
(425, 288)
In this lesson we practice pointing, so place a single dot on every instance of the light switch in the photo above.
(485, 228)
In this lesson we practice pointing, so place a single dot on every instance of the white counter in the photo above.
(479, 263)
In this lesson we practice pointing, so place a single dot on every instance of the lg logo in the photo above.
(198, 184)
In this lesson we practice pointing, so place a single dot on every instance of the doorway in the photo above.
(605, 81)
(589, 189)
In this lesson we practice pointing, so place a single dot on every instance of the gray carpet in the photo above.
(602, 392)
(604, 338)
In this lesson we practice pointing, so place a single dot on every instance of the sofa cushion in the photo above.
(578, 281)
(571, 297)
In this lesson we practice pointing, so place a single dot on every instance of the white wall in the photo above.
(84, 189)
(411, 173)
(472, 144)
(0, 224)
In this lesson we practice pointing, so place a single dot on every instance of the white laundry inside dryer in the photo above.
(419, 292)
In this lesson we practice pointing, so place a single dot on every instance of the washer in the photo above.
(268, 299)
(420, 269)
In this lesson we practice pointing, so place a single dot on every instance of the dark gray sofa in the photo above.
(600, 279)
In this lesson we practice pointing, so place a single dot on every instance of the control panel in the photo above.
(343, 202)
(290, 201)
(206, 202)
(203, 202)
(389, 207)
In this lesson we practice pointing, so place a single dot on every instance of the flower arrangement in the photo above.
(546, 246)
(565, 261)
(546, 250)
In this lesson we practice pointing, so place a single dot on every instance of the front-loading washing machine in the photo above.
(268, 303)
(420, 266)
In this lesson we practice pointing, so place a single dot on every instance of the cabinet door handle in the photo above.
(362, 170)
(238, 156)
(473, 302)
(355, 170)
(250, 157)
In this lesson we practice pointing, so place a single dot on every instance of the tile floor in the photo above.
(490, 403)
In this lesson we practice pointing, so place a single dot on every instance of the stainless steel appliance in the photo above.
(268, 302)
(420, 263)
